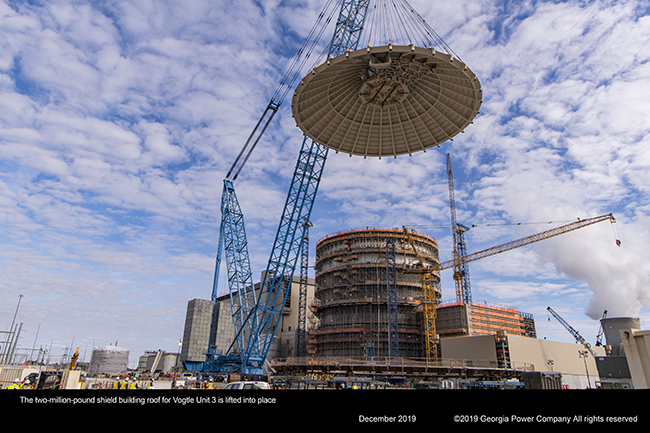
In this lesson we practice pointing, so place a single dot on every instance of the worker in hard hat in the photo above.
(15, 384)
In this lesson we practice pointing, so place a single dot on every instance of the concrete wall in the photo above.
(612, 328)
(196, 332)
(526, 350)
(636, 344)
(565, 356)
(475, 347)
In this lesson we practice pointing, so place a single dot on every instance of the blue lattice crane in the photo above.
(359, 102)
(256, 316)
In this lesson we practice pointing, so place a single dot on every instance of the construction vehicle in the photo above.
(73, 361)
(573, 332)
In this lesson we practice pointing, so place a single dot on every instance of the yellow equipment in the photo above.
(73, 361)
(429, 301)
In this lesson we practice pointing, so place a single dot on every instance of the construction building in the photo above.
(614, 369)
(157, 361)
(352, 269)
(575, 367)
(457, 318)
(199, 319)
(196, 333)
(352, 294)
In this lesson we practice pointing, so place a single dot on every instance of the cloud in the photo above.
(119, 120)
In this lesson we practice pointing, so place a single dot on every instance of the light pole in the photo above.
(583, 354)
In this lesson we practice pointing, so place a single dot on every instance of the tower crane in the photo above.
(566, 228)
(256, 317)
(428, 293)
(461, 269)
(573, 332)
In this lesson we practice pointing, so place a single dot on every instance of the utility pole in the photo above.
(7, 347)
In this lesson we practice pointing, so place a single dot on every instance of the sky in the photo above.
(119, 121)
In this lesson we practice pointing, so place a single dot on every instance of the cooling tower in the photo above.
(611, 328)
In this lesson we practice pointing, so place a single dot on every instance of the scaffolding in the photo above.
(352, 295)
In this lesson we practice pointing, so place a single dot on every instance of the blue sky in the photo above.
(119, 120)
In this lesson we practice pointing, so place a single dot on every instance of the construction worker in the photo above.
(116, 383)
(15, 384)
(125, 384)
(133, 384)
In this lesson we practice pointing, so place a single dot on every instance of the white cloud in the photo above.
(118, 122)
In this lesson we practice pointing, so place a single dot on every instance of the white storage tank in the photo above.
(109, 360)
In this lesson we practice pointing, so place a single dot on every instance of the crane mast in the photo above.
(301, 334)
(256, 317)
(461, 269)
(599, 337)
(573, 332)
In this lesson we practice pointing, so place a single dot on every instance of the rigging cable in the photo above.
(285, 86)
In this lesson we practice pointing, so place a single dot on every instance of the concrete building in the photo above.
(456, 319)
(157, 362)
(635, 345)
(614, 369)
(199, 318)
(108, 360)
(578, 371)
(197, 330)
(352, 298)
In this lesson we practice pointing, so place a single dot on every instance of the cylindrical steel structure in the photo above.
(109, 360)
(352, 293)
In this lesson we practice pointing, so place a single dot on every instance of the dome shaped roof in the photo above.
(387, 101)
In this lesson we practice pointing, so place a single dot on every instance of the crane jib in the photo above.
(529, 240)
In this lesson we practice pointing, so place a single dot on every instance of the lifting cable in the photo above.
(396, 22)
(285, 86)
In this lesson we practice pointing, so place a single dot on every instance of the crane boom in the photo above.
(256, 317)
(527, 240)
(573, 332)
